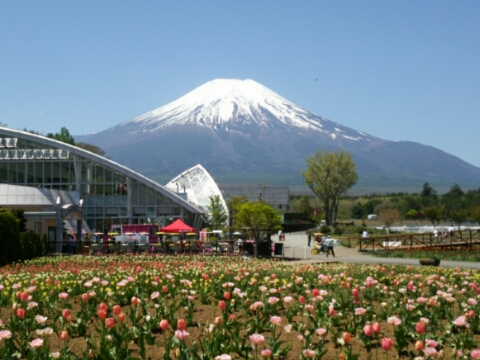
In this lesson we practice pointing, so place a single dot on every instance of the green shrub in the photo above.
(9, 238)
(31, 245)
(325, 229)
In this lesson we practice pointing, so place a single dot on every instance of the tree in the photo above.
(388, 217)
(458, 216)
(63, 135)
(329, 175)
(257, 218)
(475, 213)
(434, 213)
(428, 191)
(234, 204)
(302, 205)
(92, 148)
(218, 216)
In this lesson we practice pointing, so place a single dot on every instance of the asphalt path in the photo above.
(299, 242)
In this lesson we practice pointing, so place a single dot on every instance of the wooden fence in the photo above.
(464, 239)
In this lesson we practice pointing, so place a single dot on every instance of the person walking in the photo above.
(309, 239)
(329, 245)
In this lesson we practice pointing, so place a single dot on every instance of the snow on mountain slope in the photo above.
(227, 104)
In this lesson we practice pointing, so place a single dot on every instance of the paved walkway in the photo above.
(352, 255)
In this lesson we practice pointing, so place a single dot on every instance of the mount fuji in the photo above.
(241, 131)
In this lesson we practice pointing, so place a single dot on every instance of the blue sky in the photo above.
(398, 70)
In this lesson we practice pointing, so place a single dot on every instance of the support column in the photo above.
(59, 225)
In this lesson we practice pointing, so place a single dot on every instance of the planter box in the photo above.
(430, 262)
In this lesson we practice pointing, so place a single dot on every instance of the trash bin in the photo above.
(264, 249)
(278, 249)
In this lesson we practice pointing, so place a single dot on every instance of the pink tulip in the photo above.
(368, 330)
(376, 327)
(36, 343)
(276, 320)
(394, 320)
(181, 334)
(266, 352)
(257, 338)
(460, 321)
(475, 354)
(431, 343)
(360, 311)
(5, 334)
(387, 343)
(430, 352)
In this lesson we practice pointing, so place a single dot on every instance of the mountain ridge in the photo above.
(241, 127)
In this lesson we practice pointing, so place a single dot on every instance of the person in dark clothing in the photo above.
(309, 239)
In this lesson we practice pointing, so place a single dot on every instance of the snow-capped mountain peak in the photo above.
(228, 103)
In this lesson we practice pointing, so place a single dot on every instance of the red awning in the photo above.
(178, 226)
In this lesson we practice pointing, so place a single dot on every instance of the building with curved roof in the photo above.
(39, 174)
(197, 185)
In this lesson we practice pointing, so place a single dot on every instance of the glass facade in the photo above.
(111, 193)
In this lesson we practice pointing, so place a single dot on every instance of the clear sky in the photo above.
(398, 70)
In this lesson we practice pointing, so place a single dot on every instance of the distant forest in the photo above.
(455, 205)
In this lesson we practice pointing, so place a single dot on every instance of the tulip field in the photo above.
(224, 307)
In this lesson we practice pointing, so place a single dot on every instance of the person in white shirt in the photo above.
(435, 235)
(450, 230)
(329, 245)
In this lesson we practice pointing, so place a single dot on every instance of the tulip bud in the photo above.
(63, 335)
(20, 313)
(164, 325)
(110, 322)
(387, 343)
(419, 345)
(181, 324)
(102, 314)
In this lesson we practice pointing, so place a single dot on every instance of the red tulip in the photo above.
(20, 313)
(181, 324)
(102, 314)
(222, 305)
(226, 295)
(347, 337)
(420, 327)
(110, 322)
(117, 309)
(121, 317)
